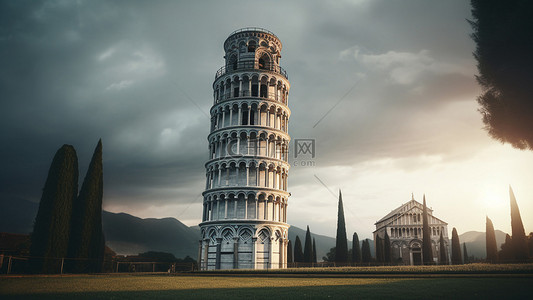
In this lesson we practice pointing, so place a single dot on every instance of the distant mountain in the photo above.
(127, 234)
(475, 242)
(124, 233)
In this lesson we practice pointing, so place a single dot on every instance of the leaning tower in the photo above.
(245, 198)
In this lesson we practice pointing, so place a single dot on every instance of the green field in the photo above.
(162, 286)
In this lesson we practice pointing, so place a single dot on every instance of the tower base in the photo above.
(243, 245)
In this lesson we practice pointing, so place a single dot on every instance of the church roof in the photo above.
(404, 209)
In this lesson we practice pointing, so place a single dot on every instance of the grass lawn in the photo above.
(124, 286)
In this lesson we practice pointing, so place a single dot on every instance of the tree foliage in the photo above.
(518, 238)
(330, 256)
(158, 256)
(465, 254)
(356, 249)
(87, 239)
(308, 247)
(506, 253)
(51, 230)
(366, 256)
(443, 258)
(490, 242)
(379, 248)
(530, 244)
(456, 248)
(298, 253)
(314, 251)
(504, 43)
(290, 259)
(341, 241)
(387, 249)
(427, 249)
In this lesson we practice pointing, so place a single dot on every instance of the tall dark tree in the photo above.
(427, 249)
(356, 249)
(504, 46)
(490, 243)
(51, 230)
(314, 251)
(456, 248)
(387, 249)
(341, 244)
(530, 244)
(518, 238)
(465, 254)
(366, 256)
(290, 259)
(298, 253)
(443, 258)
(308, 247)
(87, 243)
(379, 248)
(506, 253)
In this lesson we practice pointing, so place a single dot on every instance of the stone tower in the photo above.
(245, 198)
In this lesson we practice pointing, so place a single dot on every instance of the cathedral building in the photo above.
(244, 221)
(404, 227)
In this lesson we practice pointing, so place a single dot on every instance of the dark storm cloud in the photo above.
(76, 71)
(139, 74)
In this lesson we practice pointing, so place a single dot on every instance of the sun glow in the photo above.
(492, 199)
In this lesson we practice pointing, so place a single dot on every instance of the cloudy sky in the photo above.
(386, 89)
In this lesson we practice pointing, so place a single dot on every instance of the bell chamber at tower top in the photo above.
(252, 57)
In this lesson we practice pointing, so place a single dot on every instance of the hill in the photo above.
(127, 234)
(475, 242)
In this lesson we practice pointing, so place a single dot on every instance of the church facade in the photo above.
(244, 220)
(404, 227)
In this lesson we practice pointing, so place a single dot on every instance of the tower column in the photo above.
(236, 252)
(254, 254)
(218, 253)
(247, 175)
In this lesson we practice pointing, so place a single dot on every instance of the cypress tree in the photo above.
(51, 229)
(87, 239)
(506, 252)
(386, 249)
(298, 253)
(490, 243)
(366, 256)
(341, 241)
(356, 249)
(308, 247)
(427, 249)
(314, 251)
(443, 258)
(456, 248)
(518, 237)
(379, 249)
(465, 254)
(289, 253)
